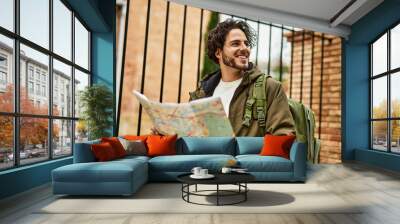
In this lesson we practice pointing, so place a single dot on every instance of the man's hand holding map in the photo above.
(204, 117)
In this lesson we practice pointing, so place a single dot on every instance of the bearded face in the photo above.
(236, 50)
(240, 59)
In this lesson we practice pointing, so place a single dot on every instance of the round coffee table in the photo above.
(238, 179)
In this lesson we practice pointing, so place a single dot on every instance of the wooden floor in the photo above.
(377, 188)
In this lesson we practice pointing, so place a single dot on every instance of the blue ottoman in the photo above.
(118, 177)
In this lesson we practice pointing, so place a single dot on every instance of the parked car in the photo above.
(22, 155)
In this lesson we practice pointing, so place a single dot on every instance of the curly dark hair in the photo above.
(217, 36)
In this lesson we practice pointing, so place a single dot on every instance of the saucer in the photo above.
(208, 176)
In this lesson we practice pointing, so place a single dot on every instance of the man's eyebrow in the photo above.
(237, 40)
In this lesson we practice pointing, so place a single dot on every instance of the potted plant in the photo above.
(96, 103)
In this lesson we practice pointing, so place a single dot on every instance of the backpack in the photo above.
(302, 115)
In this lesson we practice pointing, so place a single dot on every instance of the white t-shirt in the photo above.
(225, 90)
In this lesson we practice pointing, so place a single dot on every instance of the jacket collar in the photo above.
(210, 81)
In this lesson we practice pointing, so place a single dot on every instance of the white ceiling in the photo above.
(314, 15)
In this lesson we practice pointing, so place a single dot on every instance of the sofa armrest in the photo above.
(298, 155)
(83, 152)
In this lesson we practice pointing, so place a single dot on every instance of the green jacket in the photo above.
(278, 119)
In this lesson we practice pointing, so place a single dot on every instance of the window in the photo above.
(34, 21)
(81, 45)
(7, 14)
(6, 77)
(30, 72)
(43, 90)
(43, 77)
(62, 75)
(30, 87)
(63, 140)
(37, 74)
(3, 71)
(55, 128)
(62, 29)
(81, 81)
(3, 78)
(38, 89)
(385, 95)
(3, 61)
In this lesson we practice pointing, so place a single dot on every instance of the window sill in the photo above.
(26, 167)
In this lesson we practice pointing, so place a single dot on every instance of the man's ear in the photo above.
(218, 53)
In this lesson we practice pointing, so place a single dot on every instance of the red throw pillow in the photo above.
(116, 145)
(103, 152)
(277, 145)
(160, 145)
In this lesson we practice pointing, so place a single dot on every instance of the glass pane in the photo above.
(275, 68)
(7, 14)
(223, 17)
(395, 136)
(34, 72)
(81, 45)
(6, 142)
(35, 21)
(81, 81)
(62, 138)
(263, 48)
(253, 51)
(238, 18)
(379, 135)
(379, 55)
(81, 131)
(395, 94)
(286, 59)
(6, 74)
(395, 47)
(62, 89)
(379, 97)
(62, 29)
(33, 139)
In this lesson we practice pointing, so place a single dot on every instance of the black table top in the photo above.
(220, 178)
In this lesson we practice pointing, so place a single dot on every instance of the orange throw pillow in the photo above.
(103, 151)
(161, 145)
(116, 145)
(277, 145)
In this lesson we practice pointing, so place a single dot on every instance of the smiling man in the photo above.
(250, 112)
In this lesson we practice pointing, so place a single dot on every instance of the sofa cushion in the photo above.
(161, 145)
(134, 147)
(277, 145)
(185, 163)
(133, 158)
(206, 145)
(249, 145)
(112, 171)
(83, 152)
(116, 145)
(103, 151)
(257, 163)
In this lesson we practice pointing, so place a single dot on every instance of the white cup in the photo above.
(196, 171)
(203, 172)
(226, 170)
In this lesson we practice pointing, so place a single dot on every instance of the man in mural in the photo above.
(251, 112)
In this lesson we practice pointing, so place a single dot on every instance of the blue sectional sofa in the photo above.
(125, 176)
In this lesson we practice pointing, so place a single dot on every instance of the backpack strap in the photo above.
(259, 95)
(259, 98)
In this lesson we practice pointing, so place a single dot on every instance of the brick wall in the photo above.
(306, 86)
